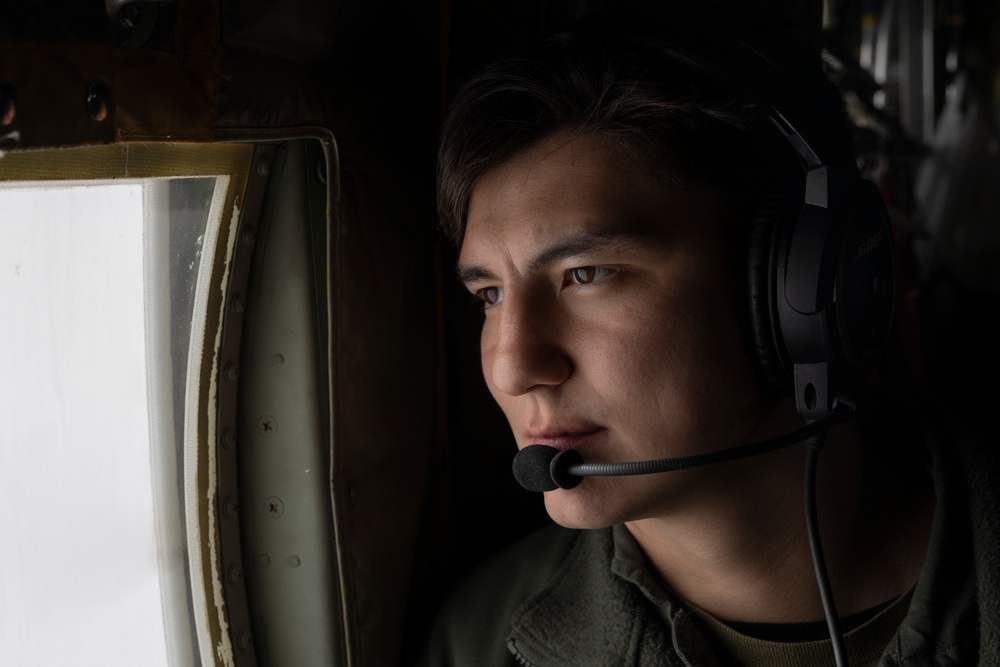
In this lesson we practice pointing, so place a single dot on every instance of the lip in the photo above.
(563, 438)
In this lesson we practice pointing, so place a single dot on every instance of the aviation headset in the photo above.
(820, 264)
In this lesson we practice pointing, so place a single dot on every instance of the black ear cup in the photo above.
(761, 240)
(820, 279)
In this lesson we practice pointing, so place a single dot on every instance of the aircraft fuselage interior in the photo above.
(244, 420)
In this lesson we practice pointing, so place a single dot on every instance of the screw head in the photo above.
(273, 507)
(244, 640)
(129, 15)
(8, 104)
(98, 101)
(239, 303)
(264, 165)
(267, 425)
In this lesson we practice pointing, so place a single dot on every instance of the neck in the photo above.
(742, 552)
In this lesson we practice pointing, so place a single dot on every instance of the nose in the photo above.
(524, 348)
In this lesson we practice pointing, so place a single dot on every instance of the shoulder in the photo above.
(472, 627)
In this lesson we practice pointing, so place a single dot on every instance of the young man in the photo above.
(605, 193)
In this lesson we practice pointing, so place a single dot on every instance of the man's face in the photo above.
(610, 323)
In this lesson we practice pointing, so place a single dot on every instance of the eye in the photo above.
(490, 296)
(586, 275)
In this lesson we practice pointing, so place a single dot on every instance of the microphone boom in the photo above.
(544, 468)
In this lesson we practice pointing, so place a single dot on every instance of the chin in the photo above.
(582, 508)
(599, 502)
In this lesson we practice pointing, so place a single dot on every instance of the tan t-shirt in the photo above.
(864, 644)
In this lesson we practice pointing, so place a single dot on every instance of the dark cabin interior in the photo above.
(420, 481)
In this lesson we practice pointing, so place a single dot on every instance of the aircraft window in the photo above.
(109, 287)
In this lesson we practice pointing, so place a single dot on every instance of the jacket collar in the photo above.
(590, 615)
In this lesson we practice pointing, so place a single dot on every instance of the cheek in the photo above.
(681, 357)
(487, 349)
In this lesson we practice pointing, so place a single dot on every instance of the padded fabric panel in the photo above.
(760, 269)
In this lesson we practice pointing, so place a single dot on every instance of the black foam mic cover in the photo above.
(531, 467)
(545, 468)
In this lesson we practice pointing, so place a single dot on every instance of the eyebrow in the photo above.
(580, 243)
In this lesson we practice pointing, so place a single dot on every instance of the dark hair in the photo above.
(694, 123)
